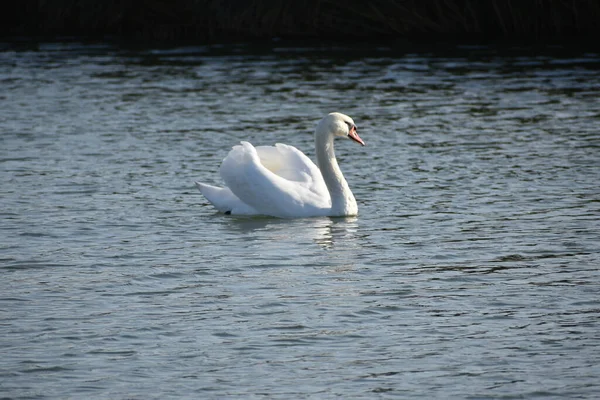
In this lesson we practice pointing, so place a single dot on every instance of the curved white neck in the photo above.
(342, 199)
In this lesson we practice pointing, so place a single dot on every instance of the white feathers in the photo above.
(280, 181)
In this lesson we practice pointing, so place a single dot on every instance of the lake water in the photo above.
(471, 271)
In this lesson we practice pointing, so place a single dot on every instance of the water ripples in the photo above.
(471, 271)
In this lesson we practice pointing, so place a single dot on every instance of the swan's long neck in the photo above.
(342, 199)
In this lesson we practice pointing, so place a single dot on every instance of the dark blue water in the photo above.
(471, 271)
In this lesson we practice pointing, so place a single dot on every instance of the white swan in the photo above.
(281, 181)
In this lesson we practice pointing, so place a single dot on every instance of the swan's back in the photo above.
(279, 181)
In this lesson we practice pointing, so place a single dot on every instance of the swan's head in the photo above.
(339, 125)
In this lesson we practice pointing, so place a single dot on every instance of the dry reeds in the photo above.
(211, 20)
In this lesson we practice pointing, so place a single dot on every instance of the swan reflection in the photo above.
(334, 231)
(325, 232)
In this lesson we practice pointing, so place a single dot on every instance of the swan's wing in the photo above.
(270, 193)
(292, 164)
(224, 200)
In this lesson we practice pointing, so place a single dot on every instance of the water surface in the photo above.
(471, 271)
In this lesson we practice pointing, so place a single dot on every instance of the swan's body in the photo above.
(281, 181)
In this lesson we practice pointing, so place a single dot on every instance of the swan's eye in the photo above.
(350, 126)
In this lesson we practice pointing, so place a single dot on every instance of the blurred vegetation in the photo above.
(218, 20)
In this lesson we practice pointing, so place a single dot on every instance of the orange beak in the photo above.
(354, 136)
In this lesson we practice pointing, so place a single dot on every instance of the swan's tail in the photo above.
(217, 196)
(224, 200)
